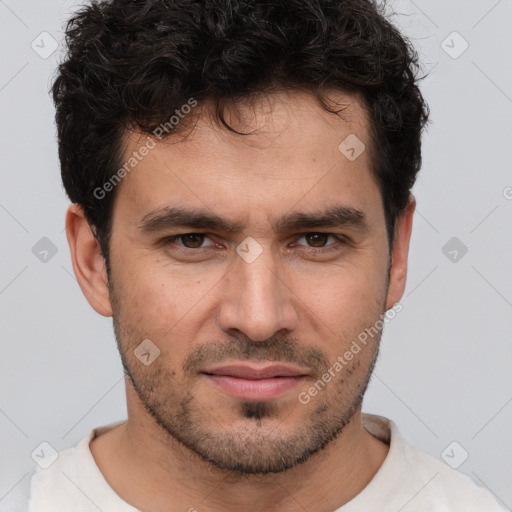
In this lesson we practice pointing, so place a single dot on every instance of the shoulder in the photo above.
(41, 484)
(445, 488)
(70, 479)
(55, 483)
(417, 482)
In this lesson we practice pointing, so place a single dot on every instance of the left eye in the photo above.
(319, 239)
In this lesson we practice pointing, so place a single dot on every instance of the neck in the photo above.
(144, 465)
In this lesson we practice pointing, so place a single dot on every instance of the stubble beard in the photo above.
(262, 446)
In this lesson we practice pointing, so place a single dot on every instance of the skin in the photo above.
(187, 444)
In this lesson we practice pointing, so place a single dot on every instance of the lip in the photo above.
(252, 372)
(252, 383)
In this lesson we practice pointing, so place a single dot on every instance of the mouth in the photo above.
(248, 382)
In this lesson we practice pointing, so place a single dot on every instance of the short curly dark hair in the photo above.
(133, 63)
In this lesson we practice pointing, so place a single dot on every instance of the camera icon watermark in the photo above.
(352, 147)
(454, 45)
(454, 455)
(44, 250)
(146, 352)
(249, 250)
(454, 249)
(44, 45)
(44, 455)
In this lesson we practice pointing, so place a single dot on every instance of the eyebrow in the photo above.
(173, 217)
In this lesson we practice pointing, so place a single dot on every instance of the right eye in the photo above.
(190, 241)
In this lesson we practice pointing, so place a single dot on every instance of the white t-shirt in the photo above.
(409, 480)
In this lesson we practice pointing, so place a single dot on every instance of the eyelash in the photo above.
(317, 250)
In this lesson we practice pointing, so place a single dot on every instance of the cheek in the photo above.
(162, 303)
(340, 309)
(349, 292)
(153, 291)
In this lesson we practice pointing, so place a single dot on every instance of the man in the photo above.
(240, 177)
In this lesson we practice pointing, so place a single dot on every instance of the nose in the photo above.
(256, 299)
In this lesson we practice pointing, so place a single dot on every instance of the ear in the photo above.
(88, 264)
(400, 252)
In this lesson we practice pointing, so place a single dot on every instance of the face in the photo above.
(252, 264)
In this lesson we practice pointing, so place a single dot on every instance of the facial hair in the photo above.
(263, 445)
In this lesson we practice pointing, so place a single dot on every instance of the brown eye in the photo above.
(317, 239)
(192, 240)
(189, 241)
(317, 242)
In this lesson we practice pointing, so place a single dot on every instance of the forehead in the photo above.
(295, 153)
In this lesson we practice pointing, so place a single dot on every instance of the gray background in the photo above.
(444, 372)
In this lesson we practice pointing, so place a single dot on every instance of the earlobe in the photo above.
(400, 253)
(88, 263)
